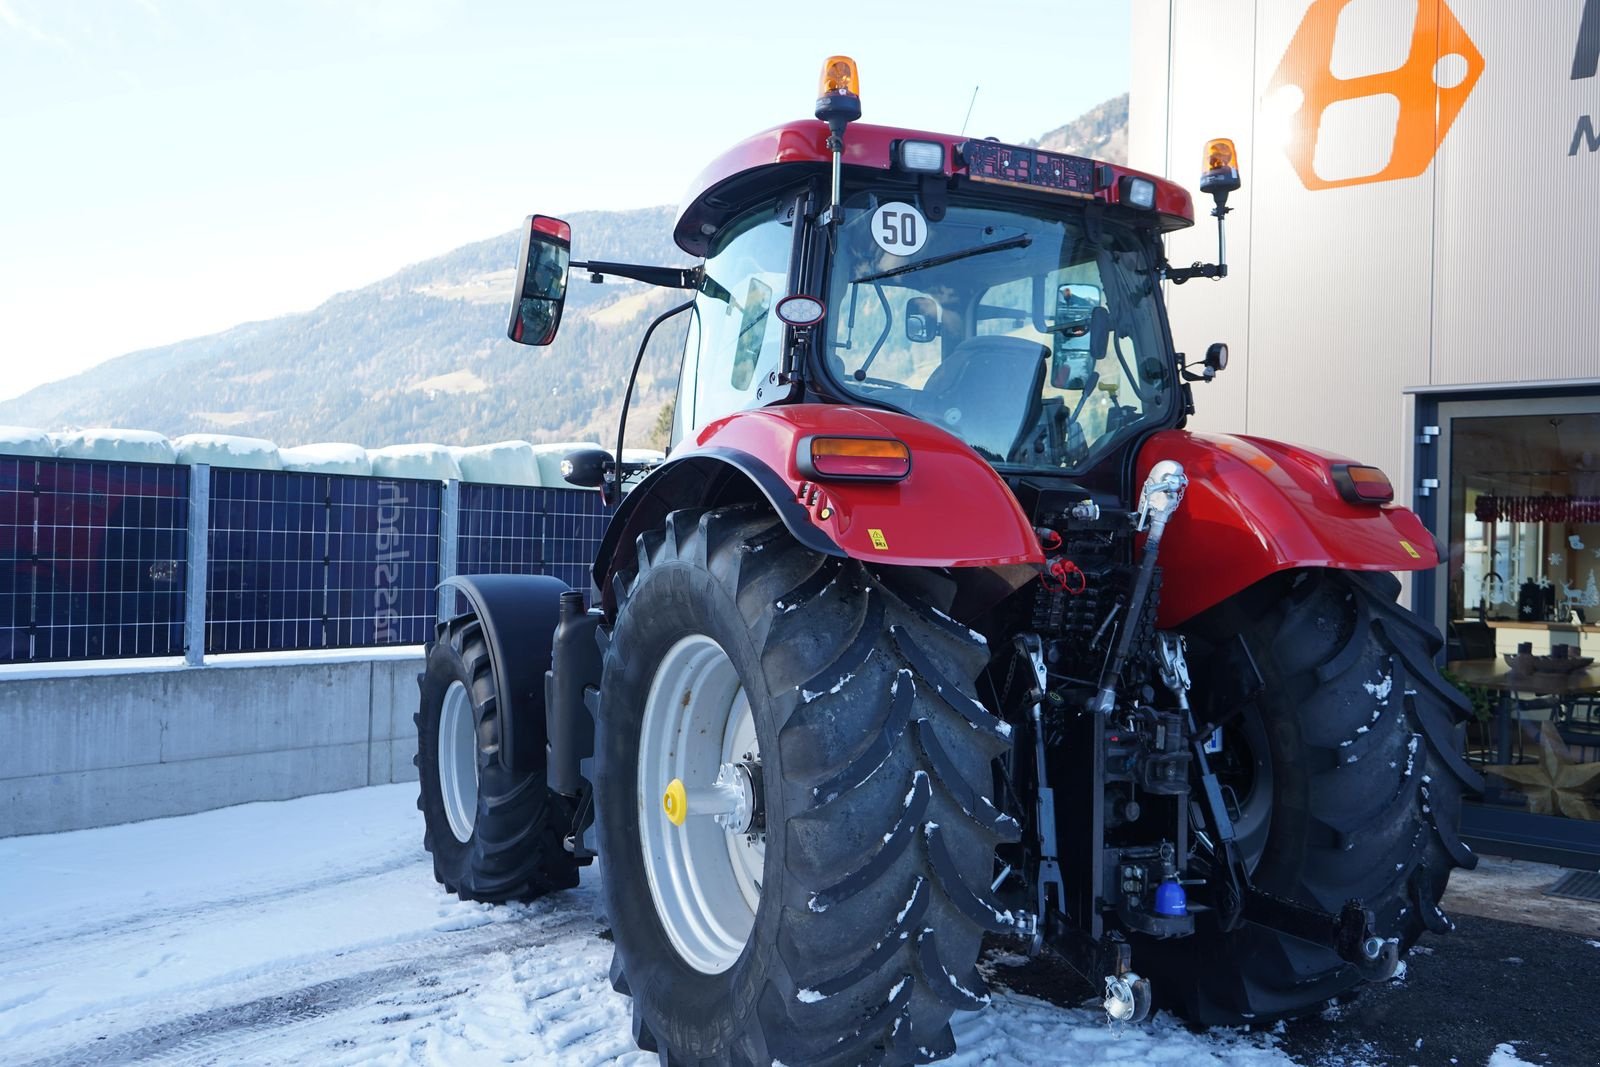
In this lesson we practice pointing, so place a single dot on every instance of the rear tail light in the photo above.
(874, 458)
(1362, 485)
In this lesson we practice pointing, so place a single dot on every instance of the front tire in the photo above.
(1348, 782)
(854, 938)
(495, 835)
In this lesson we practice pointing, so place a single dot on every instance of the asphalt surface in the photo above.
(1461, 995)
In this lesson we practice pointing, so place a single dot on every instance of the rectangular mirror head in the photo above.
(541, 281)
(922, 319)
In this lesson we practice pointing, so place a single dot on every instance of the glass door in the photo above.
(1519, 602)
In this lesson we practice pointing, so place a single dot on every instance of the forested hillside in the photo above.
(422, 356)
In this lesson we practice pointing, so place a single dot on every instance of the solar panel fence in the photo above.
(93, 559)
(95, 556)
(301, 560)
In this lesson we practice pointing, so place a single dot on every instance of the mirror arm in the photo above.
(666, 277)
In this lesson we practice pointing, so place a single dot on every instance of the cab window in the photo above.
(735, 340)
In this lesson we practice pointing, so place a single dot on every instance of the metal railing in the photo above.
(101, 560)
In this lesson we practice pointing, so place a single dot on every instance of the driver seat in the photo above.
(988, 392)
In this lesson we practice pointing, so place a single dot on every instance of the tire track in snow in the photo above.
(71, 929)
(388, 968)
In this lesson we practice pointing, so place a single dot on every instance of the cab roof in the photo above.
(733, 177)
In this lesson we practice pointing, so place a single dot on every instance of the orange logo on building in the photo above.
(1430, 87)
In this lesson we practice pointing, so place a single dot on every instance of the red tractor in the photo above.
(937, 624)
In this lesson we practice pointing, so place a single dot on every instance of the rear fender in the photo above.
(518, 613)
(1255, 507)
(951, 511)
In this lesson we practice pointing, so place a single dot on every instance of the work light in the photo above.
(924, 157)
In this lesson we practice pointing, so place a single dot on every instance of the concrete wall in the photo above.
(98, 744)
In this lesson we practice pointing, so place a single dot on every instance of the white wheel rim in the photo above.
(458, 761)
(705, 879)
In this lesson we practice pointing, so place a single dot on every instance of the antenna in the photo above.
(968, 119)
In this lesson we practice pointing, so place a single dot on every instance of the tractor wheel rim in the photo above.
(458, 761)
(705, 877)
(1251, 786)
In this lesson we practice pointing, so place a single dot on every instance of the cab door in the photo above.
(733, 349)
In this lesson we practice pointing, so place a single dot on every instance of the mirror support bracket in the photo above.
(666, 277)
(1219, 269)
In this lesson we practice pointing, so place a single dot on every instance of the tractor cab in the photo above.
(1009, 296)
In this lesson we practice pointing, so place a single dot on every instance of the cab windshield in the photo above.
(1011, 327)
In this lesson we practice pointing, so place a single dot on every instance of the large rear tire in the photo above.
(495, 835)
(843, 925)
(1348, 781)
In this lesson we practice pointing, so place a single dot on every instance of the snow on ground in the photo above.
(311, 931)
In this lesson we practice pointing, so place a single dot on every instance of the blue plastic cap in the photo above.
(1171, 899)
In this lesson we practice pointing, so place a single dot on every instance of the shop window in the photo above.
(1523, 602)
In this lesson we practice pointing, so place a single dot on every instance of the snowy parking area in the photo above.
(311, 931)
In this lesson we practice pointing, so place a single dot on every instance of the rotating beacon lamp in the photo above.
(838, 104)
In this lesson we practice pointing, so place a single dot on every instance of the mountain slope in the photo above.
(422, 355)
(1100, 132)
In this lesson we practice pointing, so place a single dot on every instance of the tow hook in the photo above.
(1127, 998)
(1380, 959)
(1377, 958)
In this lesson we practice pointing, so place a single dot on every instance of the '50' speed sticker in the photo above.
(899, 229)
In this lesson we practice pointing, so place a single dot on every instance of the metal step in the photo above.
(1578, 885)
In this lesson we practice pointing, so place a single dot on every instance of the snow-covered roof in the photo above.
(24, 441)
(426, 462)
(223, 450)
(331, 457)
(502, 463)
(114, 446)
(499, 463)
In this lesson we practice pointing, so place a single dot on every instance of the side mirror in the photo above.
(922, 319)
(1075, 302)
(1081, 329)
(1217, 356)
(586, 468)
(541, 285)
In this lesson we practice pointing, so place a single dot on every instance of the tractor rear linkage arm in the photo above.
(1350, 934)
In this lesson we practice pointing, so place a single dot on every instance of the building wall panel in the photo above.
(1222, 106)
(1517, 245)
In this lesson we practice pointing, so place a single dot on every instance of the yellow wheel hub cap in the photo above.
(675, 803)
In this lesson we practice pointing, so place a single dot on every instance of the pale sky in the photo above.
(170, 168)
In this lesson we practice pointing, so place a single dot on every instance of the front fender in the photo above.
(518, 613)
(952, 510)
(1255, 507)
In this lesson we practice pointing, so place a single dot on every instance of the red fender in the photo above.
(952, 510)
(1255, 507)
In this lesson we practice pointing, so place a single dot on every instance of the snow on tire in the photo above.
(876, 762)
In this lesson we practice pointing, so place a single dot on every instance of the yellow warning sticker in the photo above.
(1412, 552)
(879, 542)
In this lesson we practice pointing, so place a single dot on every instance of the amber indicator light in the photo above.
(1362, 485)
(854, 457)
